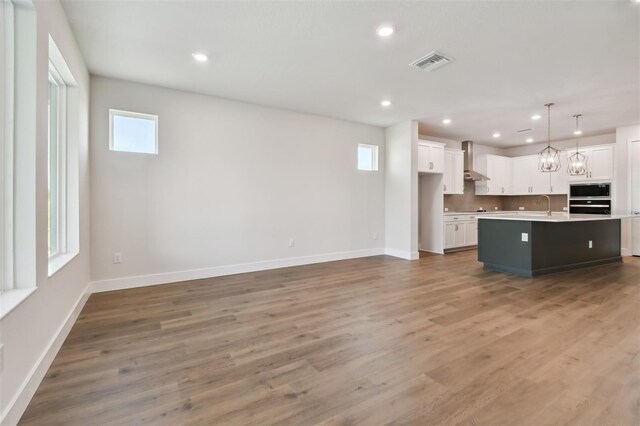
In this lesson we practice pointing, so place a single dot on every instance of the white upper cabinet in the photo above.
(560, 179)
(599, 163)
(430, 157)
(499, 170)
(453, 181)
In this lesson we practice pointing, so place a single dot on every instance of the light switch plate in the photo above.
(590, 244)
(525, 237)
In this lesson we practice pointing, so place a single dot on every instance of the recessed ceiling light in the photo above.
(385, 30)
(385, 103)
(535, 117)
(577, 132)
(447, 121)
(200, 57)
(529, 140)
(496, 135)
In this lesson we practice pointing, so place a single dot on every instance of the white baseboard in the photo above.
(16, 407)
(219, 271)
(402, 254)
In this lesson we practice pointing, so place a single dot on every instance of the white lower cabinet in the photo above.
(471, 233)
(460, 231)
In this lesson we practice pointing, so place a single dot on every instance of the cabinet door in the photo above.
(458, 174)
(448, 184)
(459, 235)
(521, 176)
(601, 163)
(560, 179)
(471, 233)
(423, 158)
(505, 176)
(436, 158)
(449, 235)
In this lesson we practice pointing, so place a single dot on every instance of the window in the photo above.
(6, 147)
(56, 161)
(367, 157)
(133, 132)
(63, 189)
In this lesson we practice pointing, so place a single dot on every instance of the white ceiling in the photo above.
(325, 58)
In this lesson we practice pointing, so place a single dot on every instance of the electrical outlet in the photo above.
(590, 244)
(292, 243)
(496, 208)
(564, 209)
(375, 235)
(1, 357)
(446, 209)
(520, 208)
(117, 257)
(525, 237)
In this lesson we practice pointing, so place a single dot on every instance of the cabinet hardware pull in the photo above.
(445, 187)
(487, 189)
(456, 227)
(430, 165)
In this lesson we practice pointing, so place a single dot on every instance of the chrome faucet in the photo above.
(548, 203)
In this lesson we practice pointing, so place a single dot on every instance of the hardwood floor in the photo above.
(368, 341)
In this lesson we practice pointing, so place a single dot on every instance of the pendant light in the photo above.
(577, 161)
(549, 158)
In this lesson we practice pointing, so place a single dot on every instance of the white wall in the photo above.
(231, 185)
(33, 331)
(401, 190)
(624, 136)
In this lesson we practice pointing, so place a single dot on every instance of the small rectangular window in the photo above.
(133, 132)
(367, 157)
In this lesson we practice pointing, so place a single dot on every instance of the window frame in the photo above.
(60, 158)
(7, 150)
(130, 114)
(375, 164)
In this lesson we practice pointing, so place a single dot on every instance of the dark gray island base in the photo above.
(551, 246)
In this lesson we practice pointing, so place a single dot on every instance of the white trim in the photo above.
(402, 254)
(21, 399)
(219, 271)
(58, 261)
(132, 114)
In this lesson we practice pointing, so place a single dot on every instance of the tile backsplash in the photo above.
(469, 201)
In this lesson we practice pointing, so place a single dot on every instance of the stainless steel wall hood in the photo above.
(469, 173)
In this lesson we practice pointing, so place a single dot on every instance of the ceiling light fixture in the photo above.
(535, 117)
(549, 158)
(385, 103)
(496, 135)
(529, 140)
(446, 121)
(385, 30)
(200, 57)
(577, 131)
(577, 161)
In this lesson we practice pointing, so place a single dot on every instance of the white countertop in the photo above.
(555, 217)
(494, 212)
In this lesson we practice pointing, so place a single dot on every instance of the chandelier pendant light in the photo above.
(577, 161)
(549, 158)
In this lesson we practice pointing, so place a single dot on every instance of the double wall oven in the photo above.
(590, 198)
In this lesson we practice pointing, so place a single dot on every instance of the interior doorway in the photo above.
(634, 150)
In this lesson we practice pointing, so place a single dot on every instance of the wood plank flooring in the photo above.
(370, 341)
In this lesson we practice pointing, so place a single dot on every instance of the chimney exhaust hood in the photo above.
(469, 173)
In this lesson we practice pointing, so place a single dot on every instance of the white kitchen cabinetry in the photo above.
(498, 170)
(599, 163)
(430, 157)
(460, 231)
(453, 180)
(529, 180)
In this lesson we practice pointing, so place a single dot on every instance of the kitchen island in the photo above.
(531, 245)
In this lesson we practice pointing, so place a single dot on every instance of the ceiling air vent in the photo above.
(431, 61)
